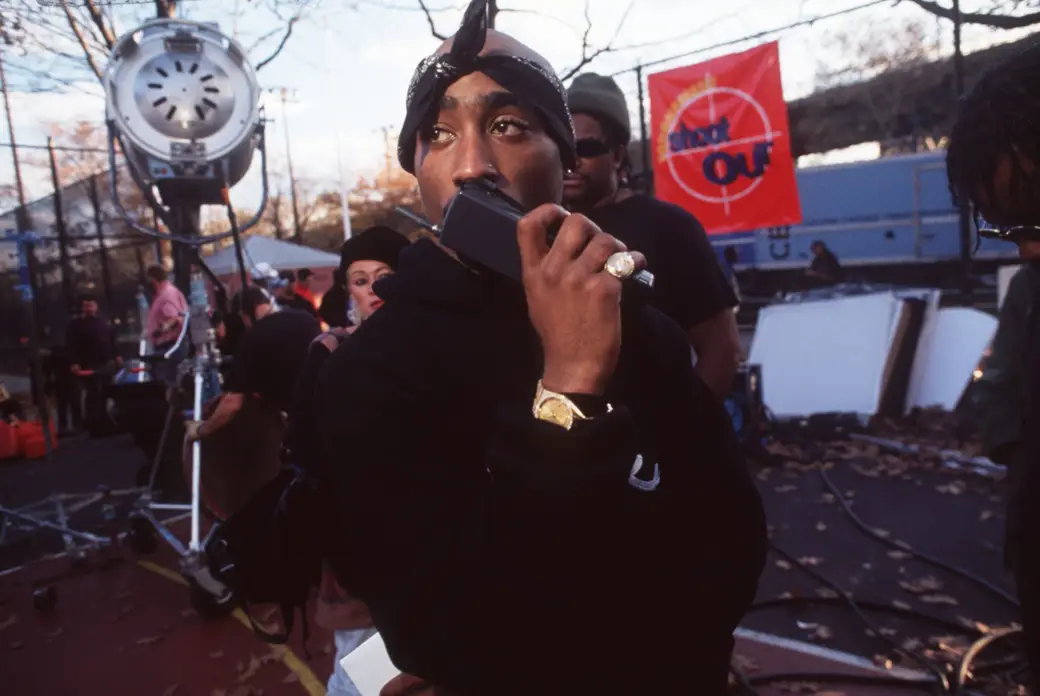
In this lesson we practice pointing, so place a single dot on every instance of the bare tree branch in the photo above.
(429, 20)
(281, 44)
(82, 41)
(99, 21)
(587, 57)
(986, 19)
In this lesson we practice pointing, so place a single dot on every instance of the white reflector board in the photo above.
(953, 351)
(826, 356)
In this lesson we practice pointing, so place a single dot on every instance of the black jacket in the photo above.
(504, 555)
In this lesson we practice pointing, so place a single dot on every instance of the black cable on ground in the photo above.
(964, 671)
(941, 684)
(931, 560)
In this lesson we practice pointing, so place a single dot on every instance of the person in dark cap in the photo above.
(364, 259)
(535, 493)
(691, 286)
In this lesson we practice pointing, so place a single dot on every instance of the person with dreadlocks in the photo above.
(690, 286)
(991, 161)
(489, 511)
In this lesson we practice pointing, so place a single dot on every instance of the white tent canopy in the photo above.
(280, 255)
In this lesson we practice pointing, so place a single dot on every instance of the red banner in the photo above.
(721, 142)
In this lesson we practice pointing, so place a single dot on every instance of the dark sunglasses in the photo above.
(587, 148)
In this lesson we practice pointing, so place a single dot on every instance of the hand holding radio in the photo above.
(573, 302)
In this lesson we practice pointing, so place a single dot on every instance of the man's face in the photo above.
(483, 132)
(595, 179)
(1008, 208)
(88, 308)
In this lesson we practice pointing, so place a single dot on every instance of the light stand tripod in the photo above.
(183, 107)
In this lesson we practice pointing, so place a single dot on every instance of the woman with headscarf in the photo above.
(364, 259)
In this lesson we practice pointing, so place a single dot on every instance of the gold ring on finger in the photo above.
(620, 265)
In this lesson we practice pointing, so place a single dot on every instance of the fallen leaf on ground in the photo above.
(910, 644)
(921, 585)
(826, 593)
(744, 664)
(810, 560)
(901, 605)
(785, 489)
(189, 613)
(171, 690)
(150, 640)
(985, 515)
(887, 631)
(850, 494)
(785, 595)
(216, 654)
(55, 633)
(882, 661)
(952, 488)
(821, 527)
(251, 669)
(827, 498)
(883, 533)
(291, 678)
(823, 633)
(783, 565)
(902, 544)
(899, 555)
(8, 622)
(939, 599)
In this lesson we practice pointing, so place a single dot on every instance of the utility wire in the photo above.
(750, 37)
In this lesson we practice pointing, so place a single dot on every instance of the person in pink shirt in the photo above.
(165, 320)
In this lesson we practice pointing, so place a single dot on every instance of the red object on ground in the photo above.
(30, 438)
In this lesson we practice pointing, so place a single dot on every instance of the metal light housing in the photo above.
(185, 104)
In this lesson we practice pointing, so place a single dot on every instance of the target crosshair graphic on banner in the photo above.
(766, 135)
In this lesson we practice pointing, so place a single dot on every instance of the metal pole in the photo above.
(292, 177)
(63, 237)
(964, 215)
(186, 218)
(106, 274)
(22, 220)
(644, 136)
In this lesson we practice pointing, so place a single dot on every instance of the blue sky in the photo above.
(350, 67)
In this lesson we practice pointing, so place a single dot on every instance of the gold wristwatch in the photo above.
(556, 408)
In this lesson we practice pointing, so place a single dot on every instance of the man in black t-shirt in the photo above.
(690, 285)
(267, 360)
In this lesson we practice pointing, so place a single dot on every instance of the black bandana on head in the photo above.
(528, 80)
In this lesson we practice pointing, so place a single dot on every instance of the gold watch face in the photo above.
(556, 411)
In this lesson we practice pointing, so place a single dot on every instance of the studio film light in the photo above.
(185, 105)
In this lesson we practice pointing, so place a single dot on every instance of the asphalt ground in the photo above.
(913, 502)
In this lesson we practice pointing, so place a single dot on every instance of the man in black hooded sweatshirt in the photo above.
(482, 435)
